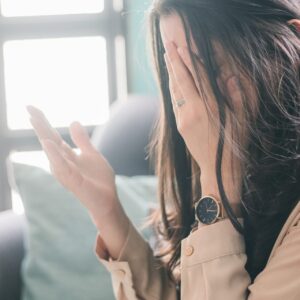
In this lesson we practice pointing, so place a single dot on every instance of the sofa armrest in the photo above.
(11, 254)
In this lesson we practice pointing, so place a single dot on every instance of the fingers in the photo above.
(225, 78)
(184, 79)
(187, 61)
(44, 131)
(65, 171)
(223, 73)
(69, 175)
(175, 93)
(81, 138)
(185, 56)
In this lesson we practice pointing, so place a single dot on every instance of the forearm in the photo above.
(137, 273)
(113, 228)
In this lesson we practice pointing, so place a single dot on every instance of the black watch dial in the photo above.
(207, 210)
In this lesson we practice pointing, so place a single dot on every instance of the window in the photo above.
(66, 74)
(61, 56)
(17, 8)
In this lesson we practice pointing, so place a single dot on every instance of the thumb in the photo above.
(80, 137)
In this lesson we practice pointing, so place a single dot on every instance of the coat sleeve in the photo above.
(136, 274)
(213, 266)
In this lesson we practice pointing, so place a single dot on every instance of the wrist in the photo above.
(113, 228)
(115, 213)
(209, 186)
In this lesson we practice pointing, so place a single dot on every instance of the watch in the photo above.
(209, 210)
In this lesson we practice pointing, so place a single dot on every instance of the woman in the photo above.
(227, 157)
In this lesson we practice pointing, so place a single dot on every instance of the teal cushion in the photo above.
(60, 261)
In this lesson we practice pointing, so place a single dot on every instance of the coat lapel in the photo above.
(291, 221)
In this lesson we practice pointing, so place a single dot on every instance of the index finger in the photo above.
(45, 131)
(42, 126)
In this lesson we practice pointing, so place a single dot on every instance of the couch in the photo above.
(123, 141)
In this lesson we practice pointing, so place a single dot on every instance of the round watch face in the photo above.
(207, 210)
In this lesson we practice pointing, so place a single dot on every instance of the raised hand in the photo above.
(88, 175)
(193, 123)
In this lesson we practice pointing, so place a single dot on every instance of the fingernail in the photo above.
(34, 111)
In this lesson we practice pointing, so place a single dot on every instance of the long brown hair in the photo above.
(257, 38)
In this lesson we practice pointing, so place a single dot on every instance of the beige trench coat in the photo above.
(212, 266)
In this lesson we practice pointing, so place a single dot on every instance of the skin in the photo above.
(296, 23)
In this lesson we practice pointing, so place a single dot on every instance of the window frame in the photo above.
(109, 24)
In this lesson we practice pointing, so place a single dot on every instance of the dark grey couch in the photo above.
(123, 141)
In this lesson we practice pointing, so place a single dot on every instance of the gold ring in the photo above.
(180, 102)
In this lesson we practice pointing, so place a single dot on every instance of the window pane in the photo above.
(13, 8)
(66, 78)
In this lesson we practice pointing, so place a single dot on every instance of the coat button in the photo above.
(189, 250)
(120, 274)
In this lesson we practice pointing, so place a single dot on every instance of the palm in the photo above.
(91, 166)
(96, 169)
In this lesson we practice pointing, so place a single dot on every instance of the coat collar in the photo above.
(291, 221)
